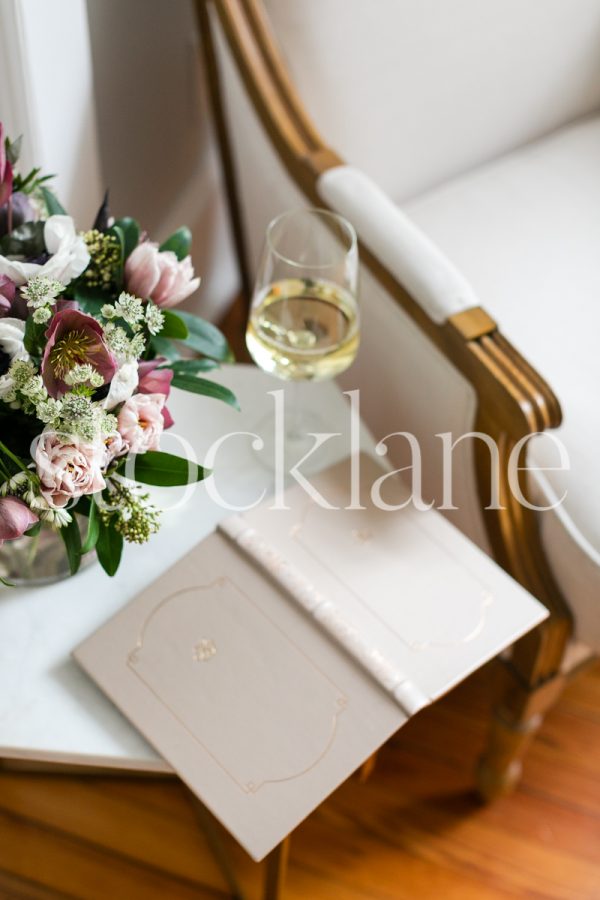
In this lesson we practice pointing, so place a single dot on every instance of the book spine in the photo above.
(408, 696)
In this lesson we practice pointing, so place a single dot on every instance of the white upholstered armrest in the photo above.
(402, 248)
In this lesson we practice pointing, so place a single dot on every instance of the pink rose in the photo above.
(114, 446)
(140, 422)
(156, 381)
(158, 275)
(68, 467)
(15, 518)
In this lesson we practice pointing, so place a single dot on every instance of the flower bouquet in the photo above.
(89, 349)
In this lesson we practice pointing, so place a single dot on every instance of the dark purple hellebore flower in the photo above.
(7, 295)
(74, 338)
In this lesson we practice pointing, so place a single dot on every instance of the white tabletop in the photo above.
(49, 709)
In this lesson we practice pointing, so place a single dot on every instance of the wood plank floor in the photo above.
(414, 831)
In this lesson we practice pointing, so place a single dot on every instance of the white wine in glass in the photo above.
(303, 329)
(304, 320)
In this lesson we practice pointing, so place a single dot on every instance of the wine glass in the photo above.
(304, 318)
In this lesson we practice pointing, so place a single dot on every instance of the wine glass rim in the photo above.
(313, 210)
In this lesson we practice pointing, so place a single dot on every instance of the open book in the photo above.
(280, 653)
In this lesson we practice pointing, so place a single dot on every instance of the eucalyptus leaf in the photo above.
(164, 469)
(53, 205)
(205, 338)
(191, 366)
(93, 529)
(72, 540)
(90, 299)
(179, 242)
(13, 149)
(164, 347)
(174, 327)
(205, 387)
(131, 234)
(109, 548)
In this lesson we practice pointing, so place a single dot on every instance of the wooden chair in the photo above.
(432, 358)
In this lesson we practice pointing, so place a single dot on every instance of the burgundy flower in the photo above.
(15, 518)
(74, 338)
(6, 171)
(156, 381)
(15, 213)
(7, 294)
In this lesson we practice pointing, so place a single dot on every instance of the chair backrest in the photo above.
(416, 91)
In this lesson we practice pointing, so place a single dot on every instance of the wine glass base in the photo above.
(288, 447)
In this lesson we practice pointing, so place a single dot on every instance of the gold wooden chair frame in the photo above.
(513, 400)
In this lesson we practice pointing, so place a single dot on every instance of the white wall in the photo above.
(157, 150)
(46, 94)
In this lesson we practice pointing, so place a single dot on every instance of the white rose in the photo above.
(69, 255)
(12, 334)
(123, 384)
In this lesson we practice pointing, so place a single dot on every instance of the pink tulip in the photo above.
(15, 518)
(140, 422)
(158, 275)
(156, 381)
(74, 338)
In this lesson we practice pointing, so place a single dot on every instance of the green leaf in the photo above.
(90, 299)
(179, 242)
(26, 240)
(164, 469)
(13, 149)
(109, 548)
(5, 582)
(174, 327)
(206, 338)
(34, 333)
(190, 366)
(93, 529)
(131, 233)
(118, 232)
(204, 386)
(34, 530)
(72, 540)
(53, 205)
(164, 347)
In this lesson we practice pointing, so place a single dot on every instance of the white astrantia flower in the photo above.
(69, 256)
(41, 291)
(124, 382)
(12, 335)
(154, 318)
(8, 390)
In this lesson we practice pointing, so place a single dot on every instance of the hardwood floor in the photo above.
(413, 831)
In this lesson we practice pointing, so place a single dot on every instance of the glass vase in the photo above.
(38, 560)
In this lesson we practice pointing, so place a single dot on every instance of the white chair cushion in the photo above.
(525, 232)
(414, 92)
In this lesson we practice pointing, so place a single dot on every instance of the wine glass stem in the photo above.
(293, 412)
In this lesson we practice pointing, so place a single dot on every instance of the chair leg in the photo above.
(275, 872)
(516, 720)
